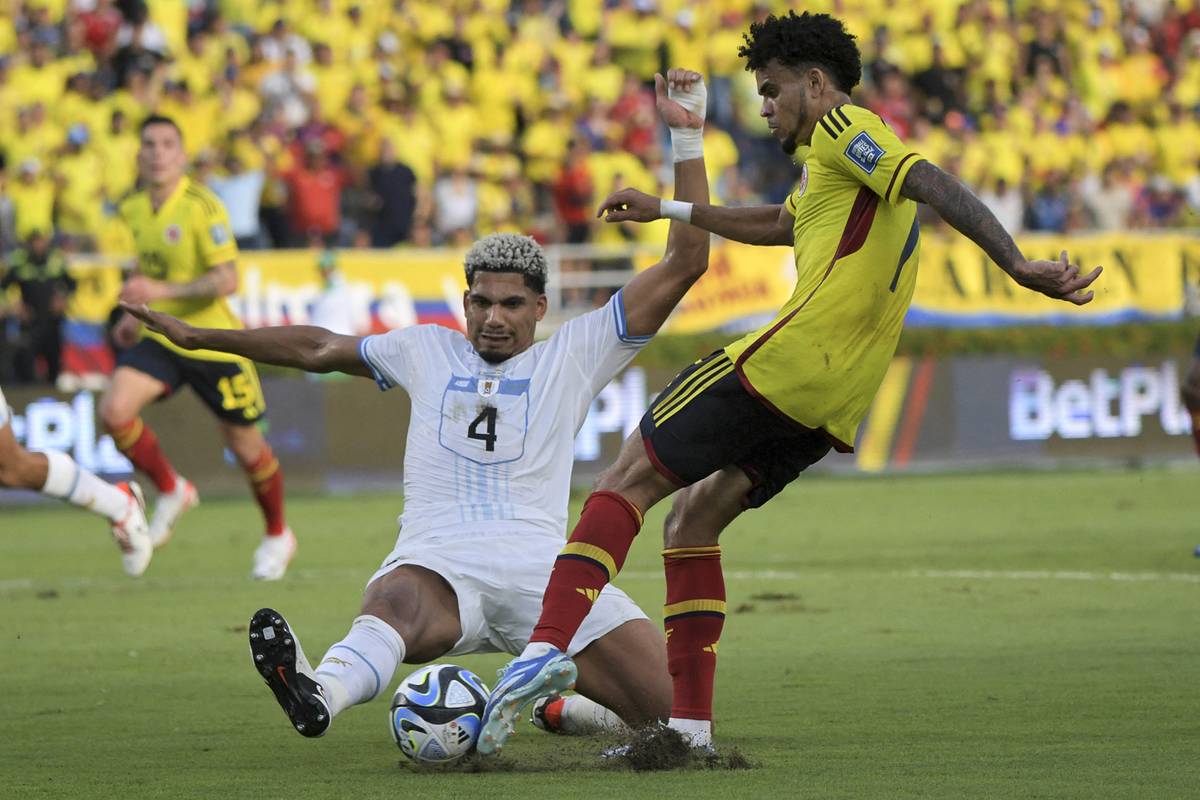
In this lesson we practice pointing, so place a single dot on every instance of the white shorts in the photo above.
(5, 414)
(499, 581)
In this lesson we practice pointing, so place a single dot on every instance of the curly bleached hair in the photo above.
(804, 40)
(508, 252)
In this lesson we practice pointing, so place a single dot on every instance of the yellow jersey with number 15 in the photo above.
(822, 359)
(185, 238)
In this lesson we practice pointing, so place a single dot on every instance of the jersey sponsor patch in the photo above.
(219, 233)
(863, 151)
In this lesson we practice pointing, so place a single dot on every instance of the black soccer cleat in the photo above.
(280, 661)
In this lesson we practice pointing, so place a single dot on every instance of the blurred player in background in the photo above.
(56, 474)
(1190, 392)
(185, 266)
(736, 427)
(487, 470)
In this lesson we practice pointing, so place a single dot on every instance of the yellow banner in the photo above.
(1143, 278)
(743, 288)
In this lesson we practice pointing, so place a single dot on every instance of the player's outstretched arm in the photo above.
(927, 183)
(762, 225)
(219, 281)
(651, 296)
(757, 225)
(305, 347)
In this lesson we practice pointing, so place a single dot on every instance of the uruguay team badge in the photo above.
(488, 386)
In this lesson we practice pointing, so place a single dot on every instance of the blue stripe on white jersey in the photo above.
(376, 373)
(622, 329)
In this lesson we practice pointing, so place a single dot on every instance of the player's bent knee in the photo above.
(116, 414)
(421, 606)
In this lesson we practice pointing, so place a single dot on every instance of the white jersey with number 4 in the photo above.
(490, 446)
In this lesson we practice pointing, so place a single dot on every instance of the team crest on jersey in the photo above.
(219, 233)
(802, 185)
(488, 386)
(173, 234)
(863, 151)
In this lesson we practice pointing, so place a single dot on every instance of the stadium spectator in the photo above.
(573, 193)
(393, 198)
(286, 90)
(1159, 204)
(40, 272)
(240, 189)
(79, 175)
(1007, 204)
(314, 188)
(32, 195)
(1050, 207)
(1109, 198)
(455, 208)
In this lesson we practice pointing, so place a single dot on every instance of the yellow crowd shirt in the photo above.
(822, 358)
(185, 238)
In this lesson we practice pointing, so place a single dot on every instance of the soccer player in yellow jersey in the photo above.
(736, 427)
(185, 267)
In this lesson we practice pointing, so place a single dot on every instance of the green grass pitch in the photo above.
(1009, 635)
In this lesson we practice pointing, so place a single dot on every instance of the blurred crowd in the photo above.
(428, 122)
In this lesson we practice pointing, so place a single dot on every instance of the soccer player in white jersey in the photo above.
(57, 475)
(486, 467)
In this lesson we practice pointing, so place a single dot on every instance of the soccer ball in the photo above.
(437, 712)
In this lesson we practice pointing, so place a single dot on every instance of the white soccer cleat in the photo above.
(525, 681)
(132, 533)
(170, 508)
(272, 557)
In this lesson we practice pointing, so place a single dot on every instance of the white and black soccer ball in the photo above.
(437, 712)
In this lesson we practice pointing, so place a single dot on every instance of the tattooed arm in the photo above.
(954, 202)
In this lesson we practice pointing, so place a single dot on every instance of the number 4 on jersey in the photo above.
(488, 415)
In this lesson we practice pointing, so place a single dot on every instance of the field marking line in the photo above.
(21, 584)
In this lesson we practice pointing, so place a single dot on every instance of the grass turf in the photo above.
(944, 636)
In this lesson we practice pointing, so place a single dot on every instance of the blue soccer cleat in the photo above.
(525, 680)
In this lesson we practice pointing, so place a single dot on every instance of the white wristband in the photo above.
(675, 209)
(686, 144)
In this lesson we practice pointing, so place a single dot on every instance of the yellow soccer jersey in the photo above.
(185, 238)
(822, 358)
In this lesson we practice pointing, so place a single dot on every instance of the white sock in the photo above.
(581, 716)
(358, 668)
(68, 481)
(698, 732)
(536, 649)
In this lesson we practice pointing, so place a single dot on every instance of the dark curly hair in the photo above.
(803, 41)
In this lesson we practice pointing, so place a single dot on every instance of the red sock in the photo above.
(140, 445)
(693, 618)
(1196, 430)
(266, 480)
(592, 557)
